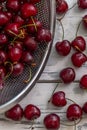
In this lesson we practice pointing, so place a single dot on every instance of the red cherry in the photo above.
(15, 113)
(79, 43)
(84, 20)
(31, 112)
(35, 25)
(83, 82)
(13, 5)
(82, 4)
(3, 39)
(28, 10)
(15, 54)
(74, 112)
(1, 83)
(44, 35)
(2, 72)
(63, 48)
(78, 59)
(3, 18)
(30, 43)
(58, 99)
(19, 20)
(84, 108)
(3, 57)
(17, 69)
(34, 1)
(67, 75)
(61, 6)
(27, 57)
(52, 121)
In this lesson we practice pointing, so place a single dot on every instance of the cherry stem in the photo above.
(53, 92)
(70, 100)
(72, 6)
(75, 123)
(9, 73)
(77, 48)
(78, 28)
(62, 29)
(30, 75)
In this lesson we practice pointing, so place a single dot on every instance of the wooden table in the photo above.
(42, 91)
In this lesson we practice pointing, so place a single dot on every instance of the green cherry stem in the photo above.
(70, 100)
(78, 28)
(30, 75)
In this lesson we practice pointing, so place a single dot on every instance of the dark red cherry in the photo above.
(15, 54)
(83, 82)
(84, 108)
(34, 25)
(12, 29)
(3, 18)
(3, 57)
(28, 10)
(52, 122)
(79, 43)
(15, 113)
(2, 72)
(61, 6)
(78, 59)
(44, 35)
(3, 39)
(18, 44)
(84, 20)
(82, 4)
(27, 57)
(1, 83)
(31, 112)
(58, 99)
(74, 112)
(67, 75)
(34, 1)
(13, 5)
(63, 48)
(17, 69)
(9, 14)
(19, 20)
(30, 43)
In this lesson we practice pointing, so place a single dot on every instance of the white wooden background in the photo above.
(42, 91)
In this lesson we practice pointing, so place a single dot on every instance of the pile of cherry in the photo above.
(20, 33)
(74, 112)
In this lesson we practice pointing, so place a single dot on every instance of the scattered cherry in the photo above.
(78, 59)
(58, 99)
(84, 20)
(74, 112)
(84, 108)
(63, 48)
(31, 112)
(67, 75)
(15, 113)
(52, 121)
(82, 4)
(79, 43)
(83, 82)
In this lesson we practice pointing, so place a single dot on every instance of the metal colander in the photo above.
(15, 89)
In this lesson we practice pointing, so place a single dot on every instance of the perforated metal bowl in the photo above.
(15, 89)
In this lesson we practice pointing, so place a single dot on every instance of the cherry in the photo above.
(83, 82)
(3, 57)
(84, 108)
(82, 4)
(78, 59)
(12, 29)
(34, 1)
(27, 57)
(15, 54)
(18, 44)
(17, 69)
(3, 39)
(3, 18)
(19, 20)
(44, 35)
(2, 72)
(58, 99)
(9, 14)
(31, 112)
(79, 43)
(15, 113)
(74, 112)
(63, 48)
(1, 83)
(67, 75)
(30, 43)
(52, 121)
(84, 20)
(28, 10)
(34, 25)
(61, 6)
(13, 5)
